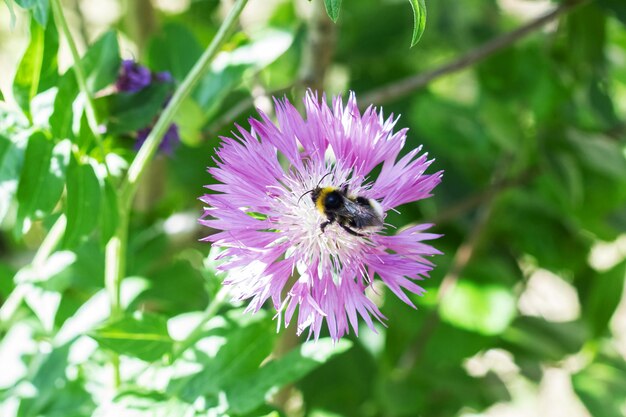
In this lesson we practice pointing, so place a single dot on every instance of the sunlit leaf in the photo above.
(250, 392)
(239, 357)
(145, 337)
(100, 64)
(600, 386)
(39, 8)
(332, 8)
(11, 160)
(83, 201)
(487, 309)
(47, 376)
(419, 20)
(37, 70)
(42, 177)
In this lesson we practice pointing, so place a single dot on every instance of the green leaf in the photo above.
(250, 392)
(135, 111)
(42, 178)
(419, 20)
(228, 71)
(603, 298)
(487, 309)
(332, 8)
(145, 337)
(83, 201)
(239, 357)
(11, 160)
(542, 340)
(38, 8)
(101, 64)
(601, 386)
(617, 7)
(599, 154)
(174, 49)
(48, 375)
(37, 70)
(63, 111)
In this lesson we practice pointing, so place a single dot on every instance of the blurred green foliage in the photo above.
(532, 140)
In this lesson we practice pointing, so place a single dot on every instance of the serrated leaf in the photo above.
(39, 9)
(604, 296)
(42, 177)
(332, 8)
(83, 201)
(419, 20)
(145, 337)
(249, 393)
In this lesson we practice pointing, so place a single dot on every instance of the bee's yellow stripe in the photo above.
(319, 203)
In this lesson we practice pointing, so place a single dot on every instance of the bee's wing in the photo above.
(359, 216)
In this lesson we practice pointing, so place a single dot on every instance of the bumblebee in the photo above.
(353, 213)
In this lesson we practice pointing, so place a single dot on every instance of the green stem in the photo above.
(150, 146)
(90, 108)
(116, 247)
(196, 333)
(115, 263)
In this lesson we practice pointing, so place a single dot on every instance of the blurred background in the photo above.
(521, 102)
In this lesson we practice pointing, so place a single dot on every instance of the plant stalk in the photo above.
(90, 108)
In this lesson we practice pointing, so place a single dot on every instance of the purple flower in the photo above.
(133, 77)
(170, 140)
(269, 231)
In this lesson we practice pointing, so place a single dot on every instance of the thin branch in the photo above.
(245, 105)
(406, 86)
(479, 198)
(319, 49)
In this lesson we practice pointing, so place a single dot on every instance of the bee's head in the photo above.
(315, 194)
(331, 198)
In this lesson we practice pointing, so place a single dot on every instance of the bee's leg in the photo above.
(331, 219)
(347, 229)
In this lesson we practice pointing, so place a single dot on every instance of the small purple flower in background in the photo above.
(133, 77)
(270, 227)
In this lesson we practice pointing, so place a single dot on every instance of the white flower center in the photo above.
(299, 218)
